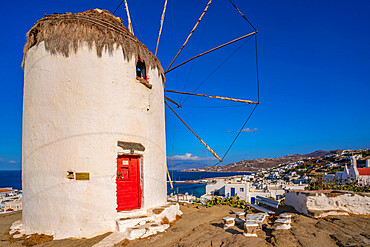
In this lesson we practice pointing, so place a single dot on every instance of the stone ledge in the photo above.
(144, 82)
(323, 213)
(319, 204)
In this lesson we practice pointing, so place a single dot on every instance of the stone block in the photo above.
(285, 216)
(240, 214)
(135, 232)
(282, 224)
(250, 228)
(228, 222)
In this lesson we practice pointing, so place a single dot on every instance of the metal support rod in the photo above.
(216, 48)
(216, 97)
(160, 29)
(173, 102)
(201, 141)
(243, 15)
(129, 19)
(191, 33)
(169, 178)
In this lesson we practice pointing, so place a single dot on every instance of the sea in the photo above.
(11, 179)
(14, 179)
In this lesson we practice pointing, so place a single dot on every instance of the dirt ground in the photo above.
(6, 220)
(202, 227)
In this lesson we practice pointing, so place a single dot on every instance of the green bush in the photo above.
(349, 185)
(233, 201)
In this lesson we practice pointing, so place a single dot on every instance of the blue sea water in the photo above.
(14, 179)
(195, 189)
(182, 176)
(11, 179)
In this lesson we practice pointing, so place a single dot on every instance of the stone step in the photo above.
(131, 213)
(170, 211)
(142, 223)
(135, 232)
(146, 230)
(134, 221)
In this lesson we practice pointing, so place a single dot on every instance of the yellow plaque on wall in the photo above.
(82, 176)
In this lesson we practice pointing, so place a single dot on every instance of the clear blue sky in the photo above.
(314, 60)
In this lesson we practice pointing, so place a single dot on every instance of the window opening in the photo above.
(141, 70)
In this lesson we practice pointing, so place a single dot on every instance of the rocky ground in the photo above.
(6, 221)
(201, 226)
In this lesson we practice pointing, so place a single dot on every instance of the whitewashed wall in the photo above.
(75, 110)
(212, 187)
(242, 194)
(309, 201)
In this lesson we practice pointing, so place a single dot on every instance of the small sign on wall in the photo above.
(82, 176)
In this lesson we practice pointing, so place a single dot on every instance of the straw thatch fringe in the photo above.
(65, 33)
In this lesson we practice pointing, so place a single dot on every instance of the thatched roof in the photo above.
(65, 33)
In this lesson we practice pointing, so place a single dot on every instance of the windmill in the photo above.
(93, 141)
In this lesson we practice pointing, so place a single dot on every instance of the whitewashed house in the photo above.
(8, 191)
(362, 175)
(244, 190)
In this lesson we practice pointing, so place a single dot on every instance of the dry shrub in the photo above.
(65, 33)
(178, 217)
(11, 238)
(36, 239)
(158, 210)
(165, 221)
(125, 242)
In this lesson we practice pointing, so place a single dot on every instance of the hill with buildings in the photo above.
(257, 164)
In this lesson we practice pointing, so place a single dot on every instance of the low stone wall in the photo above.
(323, 203)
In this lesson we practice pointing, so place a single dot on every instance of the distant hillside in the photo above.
(321, 153)
(185, 165)
(256, 164)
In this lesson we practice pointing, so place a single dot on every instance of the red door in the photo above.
(128, 182)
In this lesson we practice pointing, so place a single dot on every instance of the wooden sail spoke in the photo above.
(169, 179)
(201, 141)
(173, 102)
(215, 97)
(129, 19)
(206, 52)
(191, 33)
(160, 29)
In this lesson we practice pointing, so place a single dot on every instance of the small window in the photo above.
(140, 70)
(241, 189)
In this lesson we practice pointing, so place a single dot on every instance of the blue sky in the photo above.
(314, 62)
